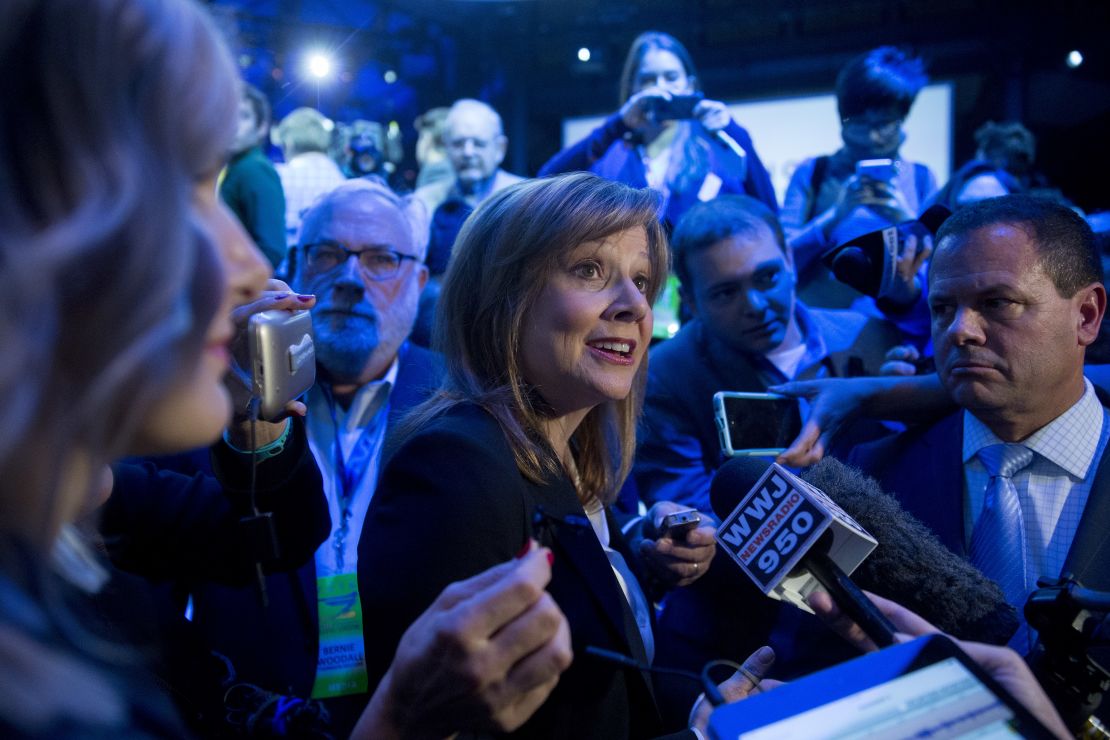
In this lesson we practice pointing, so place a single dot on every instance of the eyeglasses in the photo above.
(376, 264)
(478, 144)
(866, 124)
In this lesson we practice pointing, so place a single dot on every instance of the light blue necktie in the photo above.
(998, 546)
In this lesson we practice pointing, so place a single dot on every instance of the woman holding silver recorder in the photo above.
(122, 269)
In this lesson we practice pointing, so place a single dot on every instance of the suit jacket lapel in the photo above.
(580, 546)
(942, 477)
(631, 629)
(1089, 557)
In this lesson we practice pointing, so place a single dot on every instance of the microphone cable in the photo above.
(708, 685)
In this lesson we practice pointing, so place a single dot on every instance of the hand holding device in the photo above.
(880, 263)
(678, 544)
(833, 402)
(653, 105)
(240, 384)
(637, 111)
(282, 356)
(879, 189)
(755, 423)
(747, 681)
(836, 401)
(713, 115)
(1000, 663)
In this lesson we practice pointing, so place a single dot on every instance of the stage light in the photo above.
(1075, 58)
(390, 77)
(319, 65)
(583, 54)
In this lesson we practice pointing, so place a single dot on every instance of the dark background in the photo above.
(1007, 61)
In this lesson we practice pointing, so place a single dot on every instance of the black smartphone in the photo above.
(676, 108)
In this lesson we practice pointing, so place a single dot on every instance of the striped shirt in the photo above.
(1053, 488)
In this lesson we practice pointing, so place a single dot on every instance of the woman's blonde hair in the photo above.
(501, 261)
(111, 113)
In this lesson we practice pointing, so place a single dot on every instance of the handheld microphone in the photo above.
(789, 537)
(868, 262)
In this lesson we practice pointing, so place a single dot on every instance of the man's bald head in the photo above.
(475, 143)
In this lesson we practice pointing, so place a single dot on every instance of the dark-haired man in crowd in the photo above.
(1016, 479)
(250, 185)
(827, 202)
(749, 332)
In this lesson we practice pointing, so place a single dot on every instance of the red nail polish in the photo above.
(550, 558)
(304, 298)
(523, 550)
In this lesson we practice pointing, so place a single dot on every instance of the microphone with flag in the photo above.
(790, 538)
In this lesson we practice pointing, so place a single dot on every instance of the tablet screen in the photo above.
(943, 700)
(926, 688)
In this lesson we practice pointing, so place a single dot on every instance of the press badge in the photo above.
(341, 664)
(710, 187)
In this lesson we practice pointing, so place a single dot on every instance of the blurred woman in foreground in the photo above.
(121, 269)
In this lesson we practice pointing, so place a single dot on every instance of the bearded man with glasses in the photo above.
(361, 253)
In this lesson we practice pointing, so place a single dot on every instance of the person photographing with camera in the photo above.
(668, 136)
(865, 185)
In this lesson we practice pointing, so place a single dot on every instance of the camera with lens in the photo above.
(1072, 656)
(676, 107)
(365, 156)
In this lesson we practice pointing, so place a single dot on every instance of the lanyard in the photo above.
(351, 472)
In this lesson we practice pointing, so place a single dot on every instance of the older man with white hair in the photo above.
(476, 146)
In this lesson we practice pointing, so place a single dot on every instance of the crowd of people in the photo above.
(468, 505)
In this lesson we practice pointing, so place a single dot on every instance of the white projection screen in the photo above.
(788, 130)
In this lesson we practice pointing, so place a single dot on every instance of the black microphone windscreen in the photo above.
(732, 481)
(934, 216)
(853, 267)
(911, 566)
